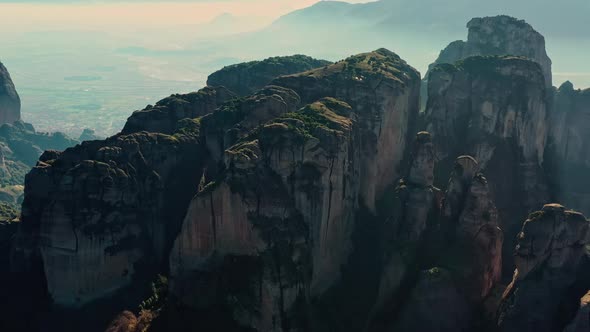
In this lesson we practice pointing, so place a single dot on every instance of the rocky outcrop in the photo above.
(443, 254)
(282, 211)
(164, 116)
(500, 35)
(383, 90)
(494, 108)
(552, 272)
(248, 77)
(9, 99)
(98, 211)
(569, 137)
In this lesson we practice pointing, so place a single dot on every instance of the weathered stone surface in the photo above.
(288, 195)
(283, 205)
(235, 119)
(454, 238)
(9, 99)
(249, 77)
(97, 211)
(495, 109)
(569, 143)
(382, 90)
(164, 116)
(500, 35)
(552, 271)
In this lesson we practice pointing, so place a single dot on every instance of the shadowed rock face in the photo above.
(248, 77)
(552, 271)
(443, 250)
(500, 35)
(9, 99)
(98, 211)
(283, 207)
(495, 109)
(569, 143)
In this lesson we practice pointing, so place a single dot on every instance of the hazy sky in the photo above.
(61, 14)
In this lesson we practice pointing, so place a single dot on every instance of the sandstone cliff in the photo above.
(248, 77)
(9, 99)
(383, 90)
(283, 208)
(494, 108)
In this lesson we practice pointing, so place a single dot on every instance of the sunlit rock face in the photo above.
(552, 272)
(383, 91)
(248, 77)
(495, 109)
(569, 143)
(500, 35)
(9, 99)
(283, 208)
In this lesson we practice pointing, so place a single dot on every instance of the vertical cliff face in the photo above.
(568, 145)
(552, 270)
(98, 210)
(102, 213)
(442, 250)
(495, 109)
(500, 35)
(9, 99)
(284, 205)
(383, 90)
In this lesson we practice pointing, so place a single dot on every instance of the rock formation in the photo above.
(100, 208)
(9, 99)
(383, 90)
(283, 208)
(495, 109)
(569, 141)
(248, 77)
(164, 116)
(500, 35)
(552, 272)
(455, 241)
